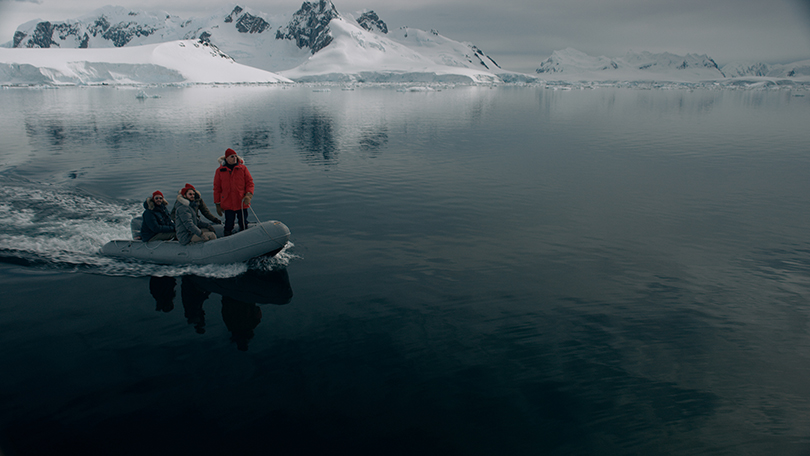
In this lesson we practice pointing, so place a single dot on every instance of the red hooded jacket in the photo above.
(231, 185)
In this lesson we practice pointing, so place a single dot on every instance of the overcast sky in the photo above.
(519, 34)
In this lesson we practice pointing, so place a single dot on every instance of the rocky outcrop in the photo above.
(482, 58)
(47, 34)
(43, 35)
(246, 23)
(122, 27)
(371, 22)
(309, 26)
(122, 33)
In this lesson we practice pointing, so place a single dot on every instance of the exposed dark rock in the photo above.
(246, 23)
(122, 33)
(100, 25)
(236, 11)
(309, 26)
(371, 22)
(249, 23)
(42, 37)
(18, 37)
(482, 58)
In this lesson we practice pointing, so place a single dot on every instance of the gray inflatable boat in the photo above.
(260, 239)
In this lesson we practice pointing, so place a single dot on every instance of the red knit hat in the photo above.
(187, 188)
(157, 192)
(229, 152)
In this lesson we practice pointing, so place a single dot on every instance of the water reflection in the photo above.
(117, 135)
(240, 298)
(373, 140)
(241, 318)
(162, 289)
(193, 299)
(259, 138)
(314, 133)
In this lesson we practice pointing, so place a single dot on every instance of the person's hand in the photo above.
(219, 210)
(247, 198)
(217, 221)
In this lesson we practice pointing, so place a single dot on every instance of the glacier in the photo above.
(184, 61)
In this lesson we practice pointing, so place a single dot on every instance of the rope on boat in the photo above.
(258, 220)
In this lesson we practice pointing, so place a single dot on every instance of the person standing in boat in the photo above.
(157, 223)
(233, 190)
(189, 226)
(202, 209)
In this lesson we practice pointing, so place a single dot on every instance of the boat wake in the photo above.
(48, 227)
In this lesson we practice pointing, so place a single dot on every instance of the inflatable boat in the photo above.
(259, 239)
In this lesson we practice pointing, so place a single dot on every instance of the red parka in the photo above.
(231, 185)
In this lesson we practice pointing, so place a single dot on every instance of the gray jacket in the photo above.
(187, 221)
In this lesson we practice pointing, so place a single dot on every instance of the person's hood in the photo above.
(240, 161)
(182, 199)
(150, 203)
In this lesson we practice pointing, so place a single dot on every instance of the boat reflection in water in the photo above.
(240, 298)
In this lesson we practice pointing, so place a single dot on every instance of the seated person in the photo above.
(157, 224)
(202, 208)
(189, 226)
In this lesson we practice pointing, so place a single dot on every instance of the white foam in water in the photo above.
(57, 228)
(278, 261)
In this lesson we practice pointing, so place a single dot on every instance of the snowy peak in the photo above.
(309, 26)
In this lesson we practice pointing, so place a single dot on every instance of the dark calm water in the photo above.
(473, 271)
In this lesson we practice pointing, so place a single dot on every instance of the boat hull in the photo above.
(262, 239)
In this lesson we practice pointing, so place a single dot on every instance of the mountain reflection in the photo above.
(372, 141)
(314, 134)
(260, 138)
(67, 136)
(240, 297)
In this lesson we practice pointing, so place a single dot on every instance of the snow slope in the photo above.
(172, 62)
(799, 70)
(572, 65)
(356, 54)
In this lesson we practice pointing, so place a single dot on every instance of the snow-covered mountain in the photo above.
(570, 64)
(799, 69)
(316, 43)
